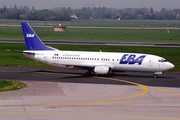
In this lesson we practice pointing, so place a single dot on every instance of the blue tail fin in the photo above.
(32, 40)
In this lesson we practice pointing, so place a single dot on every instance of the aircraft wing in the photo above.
(84, 66)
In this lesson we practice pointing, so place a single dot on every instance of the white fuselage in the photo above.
(95, 62)
(115, 61)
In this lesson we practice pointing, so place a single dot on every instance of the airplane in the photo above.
(96, 63)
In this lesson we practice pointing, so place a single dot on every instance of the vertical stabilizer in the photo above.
(32, 40)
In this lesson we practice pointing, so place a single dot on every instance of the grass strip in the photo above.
(118, 35)
(6, 85)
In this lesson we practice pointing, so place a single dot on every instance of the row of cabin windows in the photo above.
(75, 58)
(103, 59)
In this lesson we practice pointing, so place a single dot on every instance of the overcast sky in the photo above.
(49, 4)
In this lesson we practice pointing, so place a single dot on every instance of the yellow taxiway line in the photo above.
(103, 101)
(84, 114)
(89, 102)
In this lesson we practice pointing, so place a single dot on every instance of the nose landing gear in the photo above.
(157, 73)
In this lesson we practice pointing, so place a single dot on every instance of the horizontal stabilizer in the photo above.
(21, 52)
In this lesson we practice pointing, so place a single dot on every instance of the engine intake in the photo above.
(102, 70)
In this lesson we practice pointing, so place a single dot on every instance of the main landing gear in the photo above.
(89, 73)
(155, 76)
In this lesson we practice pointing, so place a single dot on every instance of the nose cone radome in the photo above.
(169, 66)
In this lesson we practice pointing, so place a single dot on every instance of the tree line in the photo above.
(30, 13)
(66, 13)
(127, 13)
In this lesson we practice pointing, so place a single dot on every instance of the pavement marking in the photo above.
(142, 85)
(163, 90)
(140, 101)
(84, 114)
(104, 101)
(102, 78)
(89, 102)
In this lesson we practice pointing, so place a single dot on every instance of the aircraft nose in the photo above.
(166, 66)
(170, 66)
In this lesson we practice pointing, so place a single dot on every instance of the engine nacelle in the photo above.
(103, 70)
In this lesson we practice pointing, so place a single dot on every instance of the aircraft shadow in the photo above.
(145, 78)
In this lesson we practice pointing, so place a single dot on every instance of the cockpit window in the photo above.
(162, 60)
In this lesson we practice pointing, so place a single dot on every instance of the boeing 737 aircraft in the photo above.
(95, 62)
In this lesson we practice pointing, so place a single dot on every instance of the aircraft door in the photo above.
(150, 63)
(45, 57)
(159, 66)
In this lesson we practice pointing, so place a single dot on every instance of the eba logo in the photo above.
(131, 59)
(30, 35)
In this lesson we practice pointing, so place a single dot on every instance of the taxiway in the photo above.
(66, 94)
(96, 43)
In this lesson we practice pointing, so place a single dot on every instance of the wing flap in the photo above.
(84, 66)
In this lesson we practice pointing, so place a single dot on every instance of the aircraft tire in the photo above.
(88, 73)
(155, 76)
(110, 71)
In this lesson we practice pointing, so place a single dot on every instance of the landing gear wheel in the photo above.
(110, 72)
(92, 73)
(155, 76)
(88, 73)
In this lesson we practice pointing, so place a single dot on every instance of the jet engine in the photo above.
(102, 70)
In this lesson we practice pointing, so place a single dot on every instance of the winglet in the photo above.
(32, 40)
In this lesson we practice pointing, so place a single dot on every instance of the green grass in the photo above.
(6, 85)
(120, 35)
(18, 59)
(11, 32)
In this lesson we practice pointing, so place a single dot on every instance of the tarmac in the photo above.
(146, 44)
(65, 94)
